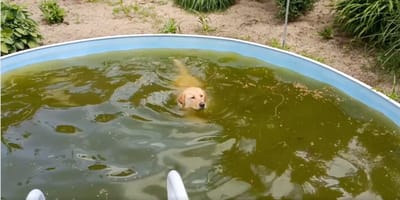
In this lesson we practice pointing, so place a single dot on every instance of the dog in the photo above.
(191, 95)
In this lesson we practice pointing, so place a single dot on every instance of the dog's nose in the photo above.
(202, 105)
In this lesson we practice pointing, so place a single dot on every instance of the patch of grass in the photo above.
(205, 5)
(313, 57)
(277, 44)
(132, 10)
(52, 12)
(326, 33)
(171, 26)
(121, 7)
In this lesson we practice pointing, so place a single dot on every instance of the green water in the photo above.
(108, 127)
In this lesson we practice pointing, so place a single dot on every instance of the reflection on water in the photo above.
(108, 127)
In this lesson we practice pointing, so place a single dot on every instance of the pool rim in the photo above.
(225, 39)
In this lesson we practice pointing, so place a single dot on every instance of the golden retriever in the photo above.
(191, 95)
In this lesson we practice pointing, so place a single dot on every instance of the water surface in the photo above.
(107, 127)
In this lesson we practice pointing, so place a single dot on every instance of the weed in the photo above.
(120, 6)
(52, 12)
(326, 33)
(171, 27)
(129, 10)
(205, 26)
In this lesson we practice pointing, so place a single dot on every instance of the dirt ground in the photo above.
(252, 20)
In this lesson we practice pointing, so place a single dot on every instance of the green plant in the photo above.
(205, 5)
(297, 8)
(171, 27)
(326, 33)
(18, 30)
(205, 26)
(52, 12)
(374, 21)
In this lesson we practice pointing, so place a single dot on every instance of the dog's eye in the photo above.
(201, 95)
(193, 97)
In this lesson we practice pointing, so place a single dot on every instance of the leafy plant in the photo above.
(52, 12)
(326, 33)
(171, 27)
(18, 30)
(297, 8)
(205, 5)
(374, 21)
(364, 19)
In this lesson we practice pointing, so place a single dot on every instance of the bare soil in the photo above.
(252, 20)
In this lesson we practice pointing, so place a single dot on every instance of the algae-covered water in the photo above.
(107, 127)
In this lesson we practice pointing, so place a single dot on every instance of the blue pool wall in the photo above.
(277, 57)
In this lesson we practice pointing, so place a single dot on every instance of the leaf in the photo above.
(20, 30)
(19, 45)
(32, 44)
(4, 48)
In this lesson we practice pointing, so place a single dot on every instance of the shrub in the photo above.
(52, 12)
(18, 30)
(205, 5)
(374, 21)
(297, 8)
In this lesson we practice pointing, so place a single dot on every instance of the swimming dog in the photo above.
(191, 96)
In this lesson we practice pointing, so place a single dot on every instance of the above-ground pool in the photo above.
(98, 119)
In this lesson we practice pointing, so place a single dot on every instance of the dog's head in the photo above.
(192, 97)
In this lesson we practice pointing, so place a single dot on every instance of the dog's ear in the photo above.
(181, 99)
